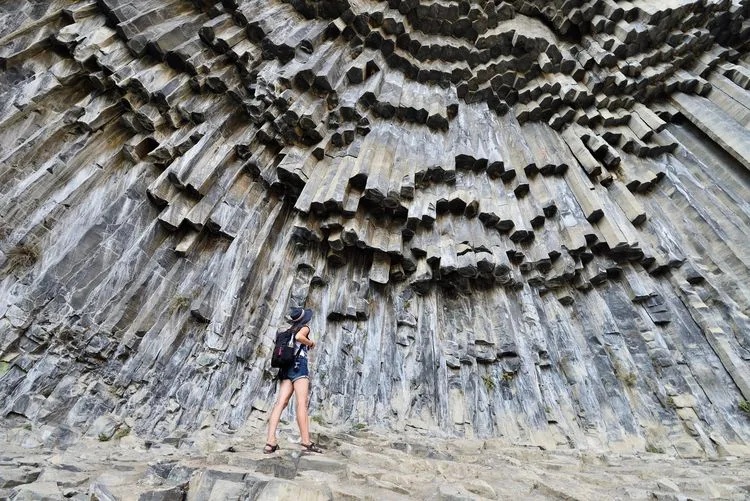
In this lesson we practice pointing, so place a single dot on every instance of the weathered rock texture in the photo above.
(356, 465)
(524, 219)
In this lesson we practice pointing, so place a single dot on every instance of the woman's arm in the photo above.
(302, 337)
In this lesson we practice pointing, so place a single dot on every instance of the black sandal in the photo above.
(270, 449)
(312, 447)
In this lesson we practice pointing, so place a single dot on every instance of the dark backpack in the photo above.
(283, 351)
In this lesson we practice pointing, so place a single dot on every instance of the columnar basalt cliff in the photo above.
(523, 219)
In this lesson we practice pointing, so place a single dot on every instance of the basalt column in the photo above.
(523, 219)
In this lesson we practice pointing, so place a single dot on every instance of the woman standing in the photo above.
(295, 379)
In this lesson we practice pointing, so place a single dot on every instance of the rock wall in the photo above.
(517, 219)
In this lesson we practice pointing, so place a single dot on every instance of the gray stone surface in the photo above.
(12, 475)
(369, 464)
(521, 219)
(38, 491)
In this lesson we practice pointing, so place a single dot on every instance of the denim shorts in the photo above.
(297, 371)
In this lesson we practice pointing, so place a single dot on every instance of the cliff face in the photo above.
(520, 219)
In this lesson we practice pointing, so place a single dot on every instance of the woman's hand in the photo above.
(302, 337)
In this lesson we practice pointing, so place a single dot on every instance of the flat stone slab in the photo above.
(719, 126)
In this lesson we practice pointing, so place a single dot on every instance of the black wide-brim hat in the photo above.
(299, 315)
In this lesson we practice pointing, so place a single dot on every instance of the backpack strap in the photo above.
(295, 339)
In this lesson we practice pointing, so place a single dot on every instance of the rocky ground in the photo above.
(358, 464)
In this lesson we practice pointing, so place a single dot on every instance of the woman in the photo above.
(295, 379)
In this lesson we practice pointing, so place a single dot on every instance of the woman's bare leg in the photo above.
(301, 389)
(285, 393)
